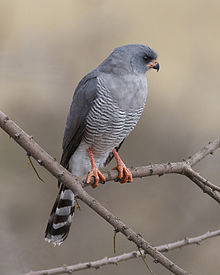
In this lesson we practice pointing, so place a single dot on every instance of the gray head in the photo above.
(133, 58)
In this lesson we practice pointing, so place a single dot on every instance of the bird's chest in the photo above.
(129, 91)
(112, 117)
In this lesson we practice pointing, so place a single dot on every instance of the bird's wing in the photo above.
(83, 97)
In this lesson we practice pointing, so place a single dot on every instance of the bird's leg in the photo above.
(94, 171)
(124, 174)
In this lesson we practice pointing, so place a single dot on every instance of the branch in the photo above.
(182, 168)
(73, 183)
(205, 151)
(76, 184)
(124, 257)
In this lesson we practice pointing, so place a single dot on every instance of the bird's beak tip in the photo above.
(156, 66)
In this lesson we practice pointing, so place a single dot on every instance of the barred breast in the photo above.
(107, 124)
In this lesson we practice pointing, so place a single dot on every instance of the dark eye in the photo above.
(146, 58)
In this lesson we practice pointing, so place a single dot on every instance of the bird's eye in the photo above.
(146, 58)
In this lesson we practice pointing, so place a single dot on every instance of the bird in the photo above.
(105, 108)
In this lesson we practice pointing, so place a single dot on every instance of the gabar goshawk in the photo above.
(106, 106)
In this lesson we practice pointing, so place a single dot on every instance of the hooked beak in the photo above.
(154, 64)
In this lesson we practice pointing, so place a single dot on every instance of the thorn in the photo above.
(139, 235)
(60, 175)
(6, 119)
(129, 237)
(134, 254)
(17, 136)
(94, 201)
(124, 228)
(186, 239)
(40, 161)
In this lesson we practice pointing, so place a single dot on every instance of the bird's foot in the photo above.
(124, 174)
(96, 174)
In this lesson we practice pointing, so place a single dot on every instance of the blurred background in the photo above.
(46, 47)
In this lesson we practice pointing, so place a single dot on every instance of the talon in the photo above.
(95, 173)
(124, 174)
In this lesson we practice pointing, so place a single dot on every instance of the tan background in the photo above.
(46, 47)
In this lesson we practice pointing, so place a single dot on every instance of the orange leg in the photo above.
(94, 171)
(124, 173)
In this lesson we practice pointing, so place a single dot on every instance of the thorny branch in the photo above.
(124, 257)
(182, 168)
(76, 184)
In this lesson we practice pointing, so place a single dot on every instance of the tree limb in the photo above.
(124, 257)
(182, 168)
(194, 175)
(75, 184)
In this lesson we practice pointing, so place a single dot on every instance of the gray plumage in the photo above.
(106, 106)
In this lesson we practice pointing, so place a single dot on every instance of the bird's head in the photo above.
(133, 58)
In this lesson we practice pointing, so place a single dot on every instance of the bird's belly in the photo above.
(80, 164)
(107, 127)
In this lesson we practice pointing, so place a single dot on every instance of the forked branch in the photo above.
(124, 257)
(75, 184)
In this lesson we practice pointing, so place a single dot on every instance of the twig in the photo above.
(194, 174)
(126, 256)
(202, 183)
(188, 241)
(114, 241)
(144, 260)
(35, 170)
(205, 151)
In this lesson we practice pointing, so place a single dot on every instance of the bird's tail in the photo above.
(60, 217)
